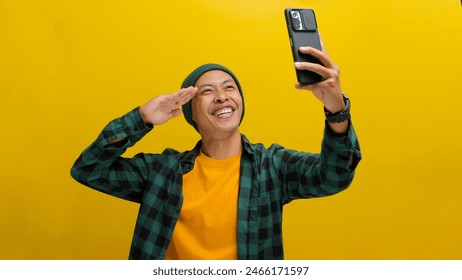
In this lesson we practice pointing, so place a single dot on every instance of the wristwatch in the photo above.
(339, 116)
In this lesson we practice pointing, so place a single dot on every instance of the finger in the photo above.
(304, 87)
(313, 67)
(186, 95)
(182, 96)
(322, 56)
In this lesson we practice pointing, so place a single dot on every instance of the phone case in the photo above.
(303, 31)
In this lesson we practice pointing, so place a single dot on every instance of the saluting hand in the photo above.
(162, 108)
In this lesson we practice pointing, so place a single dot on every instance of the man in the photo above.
(224, 198)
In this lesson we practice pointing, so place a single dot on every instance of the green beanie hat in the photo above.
(191, 80)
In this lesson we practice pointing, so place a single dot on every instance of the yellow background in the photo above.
(69, 67)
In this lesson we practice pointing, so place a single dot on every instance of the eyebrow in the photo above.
(222, 83)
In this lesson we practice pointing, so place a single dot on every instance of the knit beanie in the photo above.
(191, 80)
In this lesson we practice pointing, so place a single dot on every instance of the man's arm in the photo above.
(307, 175)
(100, 166)
(328, 90)
(162, 108)
(331, 171)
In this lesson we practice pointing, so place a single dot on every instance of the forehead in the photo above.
(213, 77)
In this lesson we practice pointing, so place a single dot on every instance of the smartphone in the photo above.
(303, 32)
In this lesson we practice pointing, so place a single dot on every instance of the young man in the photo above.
(224, 198)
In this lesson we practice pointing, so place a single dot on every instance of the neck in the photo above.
(222, 147)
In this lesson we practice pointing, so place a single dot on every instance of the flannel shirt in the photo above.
(269, 178)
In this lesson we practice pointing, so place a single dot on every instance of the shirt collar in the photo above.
(187, 163)
(247, 146)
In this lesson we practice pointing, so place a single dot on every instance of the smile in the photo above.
(223, 112)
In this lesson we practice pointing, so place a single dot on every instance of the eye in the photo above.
(230, 87)
(206, 91)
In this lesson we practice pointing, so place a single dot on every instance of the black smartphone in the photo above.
(303, 32)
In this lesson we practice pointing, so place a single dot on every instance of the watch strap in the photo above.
(339, 116)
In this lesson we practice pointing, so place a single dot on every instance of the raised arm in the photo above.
(101, 165)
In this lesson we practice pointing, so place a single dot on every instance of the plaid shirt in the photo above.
(269, 178)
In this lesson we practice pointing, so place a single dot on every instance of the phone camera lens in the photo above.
(296, 20)
(295, 14)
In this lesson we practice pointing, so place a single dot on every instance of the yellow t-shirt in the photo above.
(206, 228)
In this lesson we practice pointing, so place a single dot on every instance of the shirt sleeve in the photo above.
(101, 167)
(306, 175)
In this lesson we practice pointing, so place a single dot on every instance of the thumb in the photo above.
(176, 112)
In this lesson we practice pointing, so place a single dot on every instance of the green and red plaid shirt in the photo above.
(269, 178)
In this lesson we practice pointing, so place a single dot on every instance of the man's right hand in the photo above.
(162, 108)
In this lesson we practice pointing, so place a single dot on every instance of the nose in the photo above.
(221, 96)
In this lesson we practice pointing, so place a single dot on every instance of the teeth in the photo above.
(223, 111)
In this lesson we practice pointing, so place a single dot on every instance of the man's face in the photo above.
(217, 107)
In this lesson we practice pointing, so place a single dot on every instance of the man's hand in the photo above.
(328, 90)
(162, 108)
